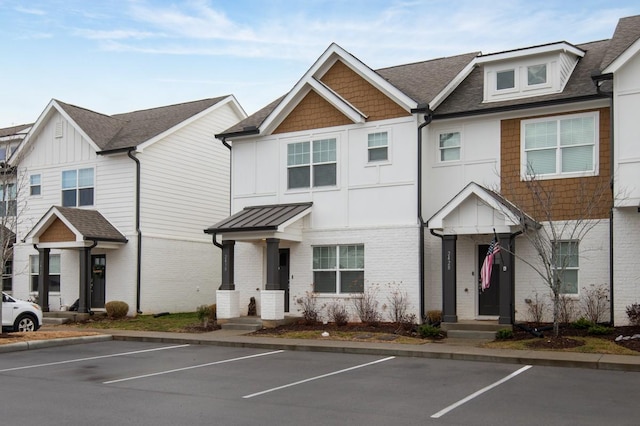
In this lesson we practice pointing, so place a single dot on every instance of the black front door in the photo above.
(283, 270)
(98, 276)
(489, 299)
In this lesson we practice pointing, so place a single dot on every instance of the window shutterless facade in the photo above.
(564, 146)
(311, 164)
(54, 272)
(566, 264)
(536, 74)
(7, 277)
(77, 187)
(8, 206)
(449, 146)
(505, 79)
(377, 146)
(338, 269)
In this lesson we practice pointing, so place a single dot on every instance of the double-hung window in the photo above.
(566, 264)
(338, 269)
(558, 146)
(35, 185)
(8, 206)
(7, 276)
(449, 146)
(77, 187)
(378, 146)
(54, 272)
(311, 164)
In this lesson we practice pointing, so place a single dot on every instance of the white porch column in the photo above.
(272, 305)
(227, 304)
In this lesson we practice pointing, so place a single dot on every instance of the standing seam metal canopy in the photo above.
(259, 218)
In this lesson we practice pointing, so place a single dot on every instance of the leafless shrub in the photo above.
(536, 307)
(337, 313)
(366, 307)
(595, 302)
(309, 308)
(567, 309)
(399, 305)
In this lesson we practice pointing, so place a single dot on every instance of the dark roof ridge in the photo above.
(427, 60)
(218, 98)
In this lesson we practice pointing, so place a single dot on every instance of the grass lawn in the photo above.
(591, 345)
(177, 323)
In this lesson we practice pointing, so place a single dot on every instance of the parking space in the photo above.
(147, 383)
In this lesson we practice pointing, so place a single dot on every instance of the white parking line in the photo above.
(318, 377)
(92, 358)
(224, 361)
(480, 392)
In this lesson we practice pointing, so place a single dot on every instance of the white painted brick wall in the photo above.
(626, 252)
(272, 305)
(391, 263)
(227, 304)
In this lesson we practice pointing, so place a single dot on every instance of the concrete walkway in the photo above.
(455, 349)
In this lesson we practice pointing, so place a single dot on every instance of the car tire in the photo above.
(25, 323)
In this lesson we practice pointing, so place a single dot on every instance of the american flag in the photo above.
(487, 265)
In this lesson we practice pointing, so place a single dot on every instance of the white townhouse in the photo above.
(398, 179)
(111, 207)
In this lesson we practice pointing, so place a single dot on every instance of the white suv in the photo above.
(19, 315)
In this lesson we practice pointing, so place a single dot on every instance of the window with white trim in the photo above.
(536, 74)
(338, 269)
(505, 79)
(378, 146)
(566, 264)
(311, 164)
(35, 184)
(77, 187)
(449, 146)
(7, 277)
(560, 146)
(8, 203)
(54, 272)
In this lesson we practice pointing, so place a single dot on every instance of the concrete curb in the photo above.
(40, 344)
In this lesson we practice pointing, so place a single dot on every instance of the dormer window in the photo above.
(505, 79)
(524, 73)
(536, 74)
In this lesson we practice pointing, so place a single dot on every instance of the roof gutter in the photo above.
(130, 154)
(598, 79)
(428, 117)
(246, 131)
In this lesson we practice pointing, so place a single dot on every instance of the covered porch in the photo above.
(485, 217)
(267, 226)
(66, 228)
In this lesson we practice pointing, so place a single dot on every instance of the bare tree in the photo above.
(566, 210)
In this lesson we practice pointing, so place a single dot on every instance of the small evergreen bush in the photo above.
(582, 323)
(116, 309)
(504, 334)
(429, 331)
(598, 330)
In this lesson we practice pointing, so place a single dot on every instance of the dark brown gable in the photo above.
(361, 94)
(57, 232)
(313, 112)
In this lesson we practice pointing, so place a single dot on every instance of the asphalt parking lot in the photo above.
(142, 383)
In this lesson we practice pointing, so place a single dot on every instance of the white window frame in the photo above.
(78, 187)
(525, 170)
(312, 162)
(442, 149)
(373, 148)
(8, 200)
(576, 268)
(37, 184)
(546, 73)
(516, 82)
(337, 268)
(34, 271)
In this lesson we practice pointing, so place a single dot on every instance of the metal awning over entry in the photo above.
(261, 222)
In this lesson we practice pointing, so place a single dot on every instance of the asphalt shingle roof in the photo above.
(91, 224)
(13, 130)
(127, 130)
(626, 33)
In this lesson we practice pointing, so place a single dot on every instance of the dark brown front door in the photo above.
(283, 268)
(489, 299)
(98, 280)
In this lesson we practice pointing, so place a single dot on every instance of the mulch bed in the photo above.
(565, 338)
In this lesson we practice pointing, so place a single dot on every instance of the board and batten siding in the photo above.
(185, 179)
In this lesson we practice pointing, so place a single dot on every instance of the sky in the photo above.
(115, 56)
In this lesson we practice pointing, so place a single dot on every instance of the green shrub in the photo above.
(116, 309)
(582, 323)
(429, 331)
(599, 330)
(504, 334)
